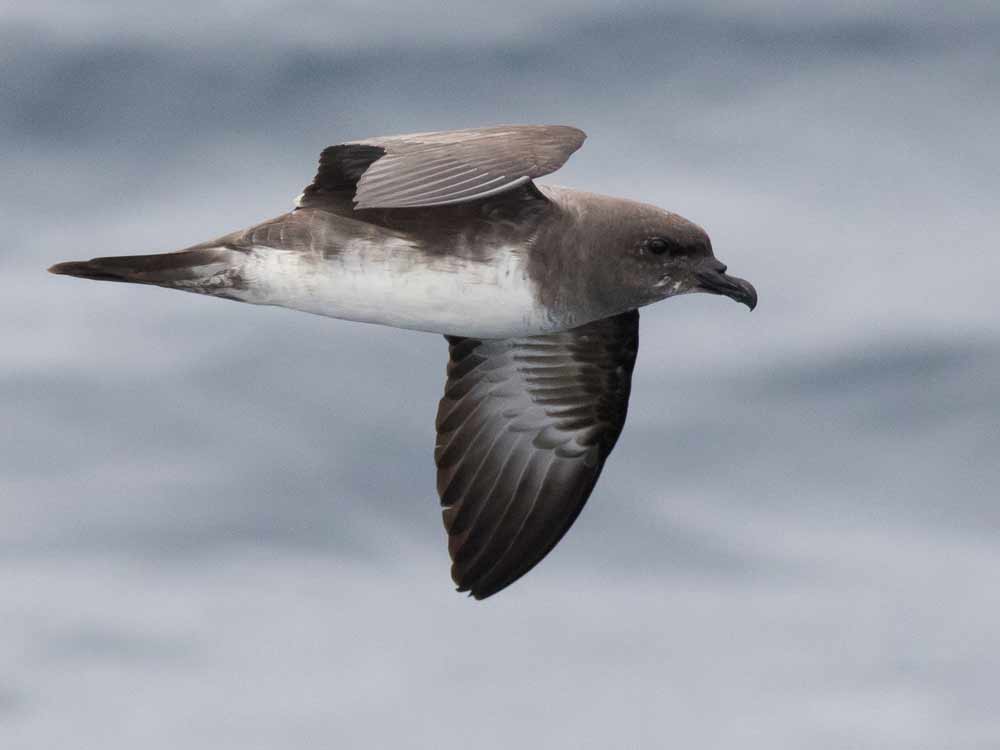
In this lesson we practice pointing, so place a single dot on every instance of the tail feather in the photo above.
(205, 266)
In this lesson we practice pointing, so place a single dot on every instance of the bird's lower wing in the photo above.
(523, 431)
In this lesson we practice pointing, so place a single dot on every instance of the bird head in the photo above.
(666, 255)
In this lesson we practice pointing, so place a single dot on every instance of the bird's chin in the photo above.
(669, 287)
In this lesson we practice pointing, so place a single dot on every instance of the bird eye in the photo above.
(657, 245)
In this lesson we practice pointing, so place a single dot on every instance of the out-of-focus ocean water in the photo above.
(218, 523)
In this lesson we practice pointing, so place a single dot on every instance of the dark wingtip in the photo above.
(477, 591)
(472, 591)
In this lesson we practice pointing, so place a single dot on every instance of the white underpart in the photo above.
(395, 284)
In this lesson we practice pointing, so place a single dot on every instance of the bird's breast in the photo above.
(396, 283)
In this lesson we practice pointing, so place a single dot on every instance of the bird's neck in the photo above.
(575, 270)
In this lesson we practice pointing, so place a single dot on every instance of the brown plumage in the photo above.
(535, 287)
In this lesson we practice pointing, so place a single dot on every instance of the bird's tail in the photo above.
(198, 269)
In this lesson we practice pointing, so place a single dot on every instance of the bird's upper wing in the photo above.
(523, 431)
(436, 169)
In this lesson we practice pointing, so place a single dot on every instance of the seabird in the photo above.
(535, 287)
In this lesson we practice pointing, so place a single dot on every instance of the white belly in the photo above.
(397, 285)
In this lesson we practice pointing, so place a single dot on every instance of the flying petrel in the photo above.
(534, 286)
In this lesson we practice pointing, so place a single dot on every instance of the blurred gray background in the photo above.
(218, 524)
